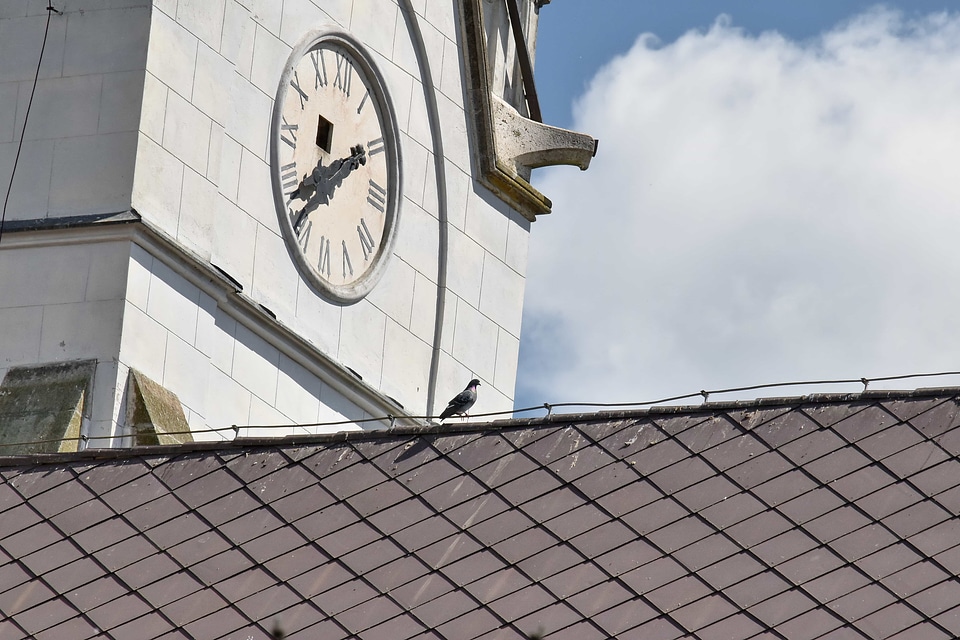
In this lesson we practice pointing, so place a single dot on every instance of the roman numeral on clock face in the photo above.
(288, 178)
(288, 133)
(323, 261)
(305, 235)
(320, 68)
(375, 146)
(344, 75)
(295, 83)
(376, 196)
(366, 239)
(347, 265)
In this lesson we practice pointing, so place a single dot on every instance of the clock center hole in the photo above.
(324, 133)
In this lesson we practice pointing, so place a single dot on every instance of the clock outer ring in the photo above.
(378, 88)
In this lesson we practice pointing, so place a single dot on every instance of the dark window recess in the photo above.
(324, 133)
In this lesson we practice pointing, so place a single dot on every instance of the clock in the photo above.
(335, 164)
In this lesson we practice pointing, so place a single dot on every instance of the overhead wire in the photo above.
(391, 420)
(26, 116)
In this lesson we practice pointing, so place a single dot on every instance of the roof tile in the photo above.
(706, 551)
(731, 570)
(75, 629)
(862, 482)
(705, 434)
(144, 516)
(681, 475)
(119, 611)
(550, 562)
(784, 487)
(496, 585)
(152, 625)
(501, 527)
(939, 419)
(809, 565)
(627, 498)
(241, 585)
(125, 553)
(735, 626)
(916, 518)
(469, 625)
(703, 612)
(759, 469)
(782, 607)
(170, 589)
(938, 538)
(888, 621)
(320, 579)
(51, 557)
(522, 603)
(735, 451)
(662, 628)
(915, 459)
(756, 589)
(268, 602)
(888, 560)
(46, 615)
(444, 608)
(810, 625)
(504, 469)
(888, 500)
(345, 596)
(938, 598)
(626, 557)
(788, 425)
(655, 515)
(595, 597)
(237, 503)
(787, 545)
(937, 478)
(863, 423)
(914, 578)
(63, 579)
(558, 620)
(908, 408)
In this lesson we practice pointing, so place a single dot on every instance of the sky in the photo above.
(775, 198)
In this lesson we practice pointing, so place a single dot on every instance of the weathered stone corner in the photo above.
(154, 413)
(42, 407)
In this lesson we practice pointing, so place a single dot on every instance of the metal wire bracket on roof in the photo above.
(705, 394)
(866, 383)
(548, 407)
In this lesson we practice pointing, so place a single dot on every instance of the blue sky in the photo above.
(774, 198)
(577, 37)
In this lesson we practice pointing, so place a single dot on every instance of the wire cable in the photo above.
(391, 420)
(26, 116)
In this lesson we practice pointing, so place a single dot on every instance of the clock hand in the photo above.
(318, 186)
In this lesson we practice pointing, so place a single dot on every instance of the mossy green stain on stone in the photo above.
(42, 407)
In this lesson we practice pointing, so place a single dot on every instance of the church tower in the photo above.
(258, 218)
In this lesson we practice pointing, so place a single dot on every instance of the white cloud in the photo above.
(760, 210)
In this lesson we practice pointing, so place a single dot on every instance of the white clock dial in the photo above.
(335, 163)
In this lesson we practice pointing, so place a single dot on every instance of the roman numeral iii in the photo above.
(377, 196)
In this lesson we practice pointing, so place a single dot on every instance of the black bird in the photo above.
(462, 402)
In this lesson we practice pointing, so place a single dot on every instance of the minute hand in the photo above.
(319, 185)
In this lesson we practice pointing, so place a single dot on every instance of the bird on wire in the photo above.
(462, 402)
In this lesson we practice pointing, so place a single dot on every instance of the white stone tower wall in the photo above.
(178, 130)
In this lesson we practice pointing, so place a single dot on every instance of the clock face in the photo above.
(335, 165)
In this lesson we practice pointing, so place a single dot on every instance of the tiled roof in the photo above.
(827, 517)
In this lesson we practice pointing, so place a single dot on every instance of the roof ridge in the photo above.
(472, 427)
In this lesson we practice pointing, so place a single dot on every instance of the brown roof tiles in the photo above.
(813, 518)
